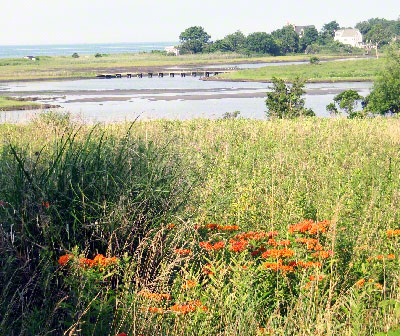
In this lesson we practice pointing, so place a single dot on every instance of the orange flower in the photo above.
(278, 266)
(312, 278)
(155, 296)
(85, 262)
(46, 204)
(63, 260)
(391, 257)
(229, 228)
(212, 226)
(379, 286)
(252, 235)
(103, 261)
(380, 257)
(321, 254)
(155, 310)
(309, 264)
(310, 227)
(183, 252)
(278, 253)
(189, 284)
(258, 251)
(183, 309)
(238, 245)
(392, 233)
(217, 246)
(360, 283)
(170, 226)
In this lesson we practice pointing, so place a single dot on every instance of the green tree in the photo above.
(385, 95)
(347, 101)
(379, 36)
(285, 101)
(330, 28)
(193, 39)
(310, 37)
(235, 41)
(287, 39)
(261, 42)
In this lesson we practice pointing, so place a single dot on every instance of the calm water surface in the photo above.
(113, 100)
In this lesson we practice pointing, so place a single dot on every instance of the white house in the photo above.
(32, 58)
(172, 50)
(351, 37)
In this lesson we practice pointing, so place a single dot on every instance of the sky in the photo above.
(25, 22)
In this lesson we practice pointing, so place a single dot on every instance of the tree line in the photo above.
(285, 40)
(286, 101)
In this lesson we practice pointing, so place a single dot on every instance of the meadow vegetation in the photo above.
(88, 66)
(226, 227)
(354, 70)
(7, 104)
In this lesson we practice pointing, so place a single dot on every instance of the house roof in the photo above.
(298, 29)
(348, 32)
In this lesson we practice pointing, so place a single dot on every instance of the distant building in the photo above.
(32, 58)
(300, 29)
(172, 50)
(349, 36)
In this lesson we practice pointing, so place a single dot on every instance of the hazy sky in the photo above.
(89, 21)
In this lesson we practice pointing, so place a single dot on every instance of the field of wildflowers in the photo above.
(228, 227)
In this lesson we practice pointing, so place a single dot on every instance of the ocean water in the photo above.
(15, 51)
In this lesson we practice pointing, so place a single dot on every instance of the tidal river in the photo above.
(125, 99)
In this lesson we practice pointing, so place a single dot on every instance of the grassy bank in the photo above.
(198, 216)
(87, 66)
(9, 104)
(357, 70)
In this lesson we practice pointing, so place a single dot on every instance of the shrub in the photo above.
(75, 55)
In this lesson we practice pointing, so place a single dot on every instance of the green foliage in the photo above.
(231, 115)
(330, 28)
(378, 35)
(380, 31)
(309, 37)
(385, 95)
(287, 39)
(347, 101)
(314, 60)
(262, 43)
(193, 39)
(98, 55)
(286, 102)
(75, 55)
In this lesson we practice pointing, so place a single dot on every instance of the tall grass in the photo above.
(116, 189)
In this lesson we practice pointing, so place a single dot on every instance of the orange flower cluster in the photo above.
(252, 235)
(322, 254)
(278, 266)
(275, 243)
(392, 233)
(170, 226)
(207, 269)
(63, 260)
(222, 227)
(313, 278)
(155, 296)
(238, 245)
(360, 283)
(209, 247)
(183, 252)
(188, 308)
(310, 227)
(189, 284)
(311, 243)
(382, 257)
(155, 310)
(278, 253)
(99, 260)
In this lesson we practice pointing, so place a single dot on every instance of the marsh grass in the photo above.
(87, 66)
(114, 189)
(354, 70)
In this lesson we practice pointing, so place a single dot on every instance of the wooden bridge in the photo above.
(165, 73)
